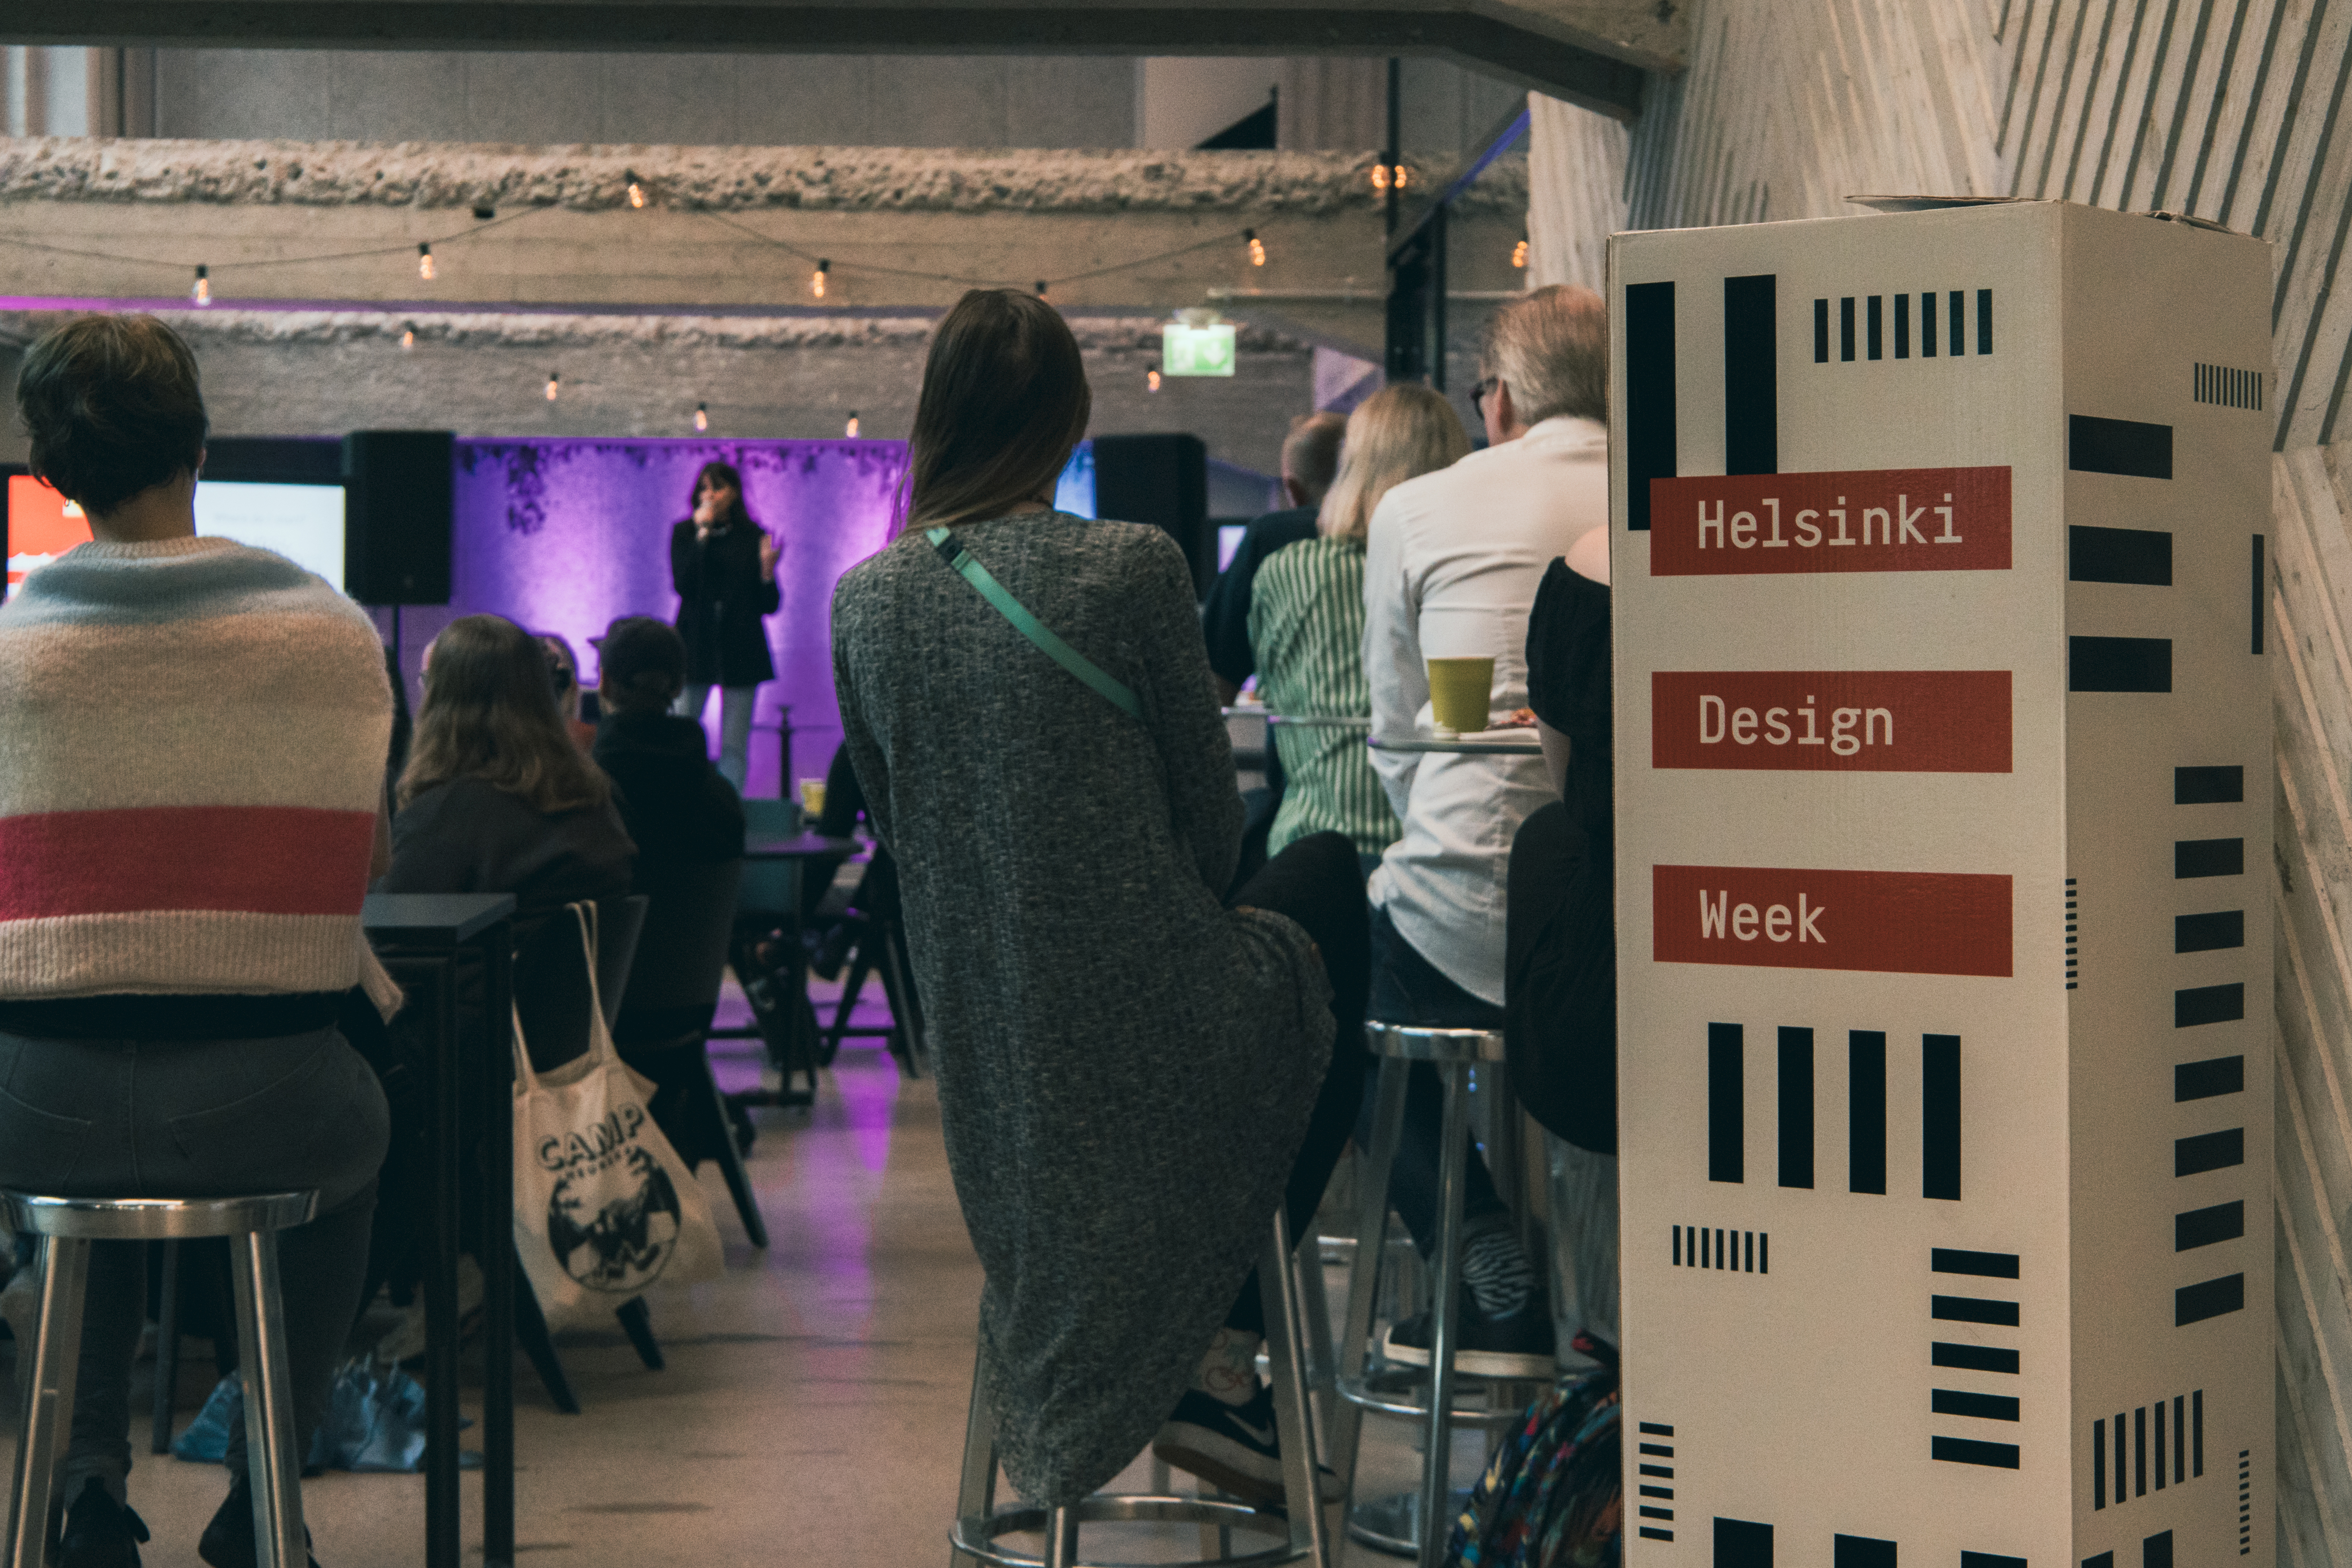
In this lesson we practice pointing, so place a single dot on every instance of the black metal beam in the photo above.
(1582, 76)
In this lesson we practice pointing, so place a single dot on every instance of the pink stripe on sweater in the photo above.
(264, 859)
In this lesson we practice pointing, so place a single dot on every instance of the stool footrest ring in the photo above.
(978, 1536)
(1363, 1398)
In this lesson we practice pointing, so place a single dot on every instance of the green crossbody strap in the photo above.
(952, 552)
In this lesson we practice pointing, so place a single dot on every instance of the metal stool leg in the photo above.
(1436, 1476)
(1290, 1410)
(1061, 1538)
(167, 1349)
(272, 1466)
(1363, 1278)
(49, 1397)
(976, 1493)
(1315, 1307)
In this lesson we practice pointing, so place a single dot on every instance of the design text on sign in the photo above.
(1892, 922)
(1884, 520)
(1860, 721)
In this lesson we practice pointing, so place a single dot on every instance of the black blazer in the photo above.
(720, 600)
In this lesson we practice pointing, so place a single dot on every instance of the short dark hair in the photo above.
(1004, 401)
(641, 665)
(114, 407)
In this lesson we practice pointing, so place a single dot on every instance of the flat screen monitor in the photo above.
(302, 523)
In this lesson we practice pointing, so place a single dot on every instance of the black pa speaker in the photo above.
(399, 492)
(1162, 480)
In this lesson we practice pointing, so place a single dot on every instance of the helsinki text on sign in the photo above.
(1885, 520)
(1858, 721)
(1889, 922)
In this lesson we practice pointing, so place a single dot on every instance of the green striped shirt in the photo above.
(1306, 631)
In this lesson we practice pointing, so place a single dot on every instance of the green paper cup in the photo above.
(1458, 693)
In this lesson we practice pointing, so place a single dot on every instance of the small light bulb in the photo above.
(1151, 379)
(816, 278)
(1519, 254)
(1256, 247)
(702, 416)
(1379, 176)
(636, 191)
(425, 262)
(203, 291)
(554, 385)
(1041, 288)
(1403, 177)
(851, 434)
(408, 336)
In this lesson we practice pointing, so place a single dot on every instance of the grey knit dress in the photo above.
(1125, 1067)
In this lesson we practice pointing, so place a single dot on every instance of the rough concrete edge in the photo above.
(590, 178)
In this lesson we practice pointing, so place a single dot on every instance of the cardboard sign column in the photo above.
(1944, 750)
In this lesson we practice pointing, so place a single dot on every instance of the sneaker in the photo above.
(1518, 1346)
(227, 1541)
(1233, 1447)
(99, 1531)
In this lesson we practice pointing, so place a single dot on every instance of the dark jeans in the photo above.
(1316, 883)
(191, 1119)
(1408, 989)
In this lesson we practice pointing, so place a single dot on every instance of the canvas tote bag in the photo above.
(603, 1208)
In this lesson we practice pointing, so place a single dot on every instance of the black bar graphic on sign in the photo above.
(2181, 1433)
(1876, 329)
(2099, 1464)
(2127, 447)
(1902, 326)
(1666, 1470)
(1845, 328)
(2203, 1227)
(1751, 1251)
(1703, 1234)
(2137, 555)
(1973, 1309)
(1661, 1450)
(1649, 395)
(1751, 414)
(2195, 1005)
(1726, 1103)
(1678, 1247)
(2197, 1416)
(2160, 1444)
(1764, 1252)
(2123, 1492)
(1984, 321)
(1651, 1533)
(2258, 616)
(2104, 1560)
(1940, 1116)
(2118, 664)
(2209, 1151)
(1989, 1559)
(1985, 1265)
(1973, 1358)
(1654, 1429)
(1796, 1107)
(1861, 1551)
(2208, 932)
(2139, 1452)
(2156, 1552)
(1959, 328)
(1983, 1407)
(2209, 858)
(2194, 1304)
(1742, 1543)
(1927, 324)
(2208, 786)
(1821, 331)
(1968, 1451)
(1866, 1111)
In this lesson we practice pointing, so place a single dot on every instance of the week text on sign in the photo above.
(1893, 922)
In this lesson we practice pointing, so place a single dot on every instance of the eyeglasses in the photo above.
(1479, 394)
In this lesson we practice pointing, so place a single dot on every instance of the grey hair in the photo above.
(1551, 349)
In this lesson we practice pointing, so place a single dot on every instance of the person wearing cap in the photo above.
(675, 803)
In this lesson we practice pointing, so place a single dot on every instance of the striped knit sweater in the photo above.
(192, 747)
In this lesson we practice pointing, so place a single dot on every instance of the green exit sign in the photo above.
(1197, 351)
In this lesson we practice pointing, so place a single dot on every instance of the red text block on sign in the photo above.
(1888, 922)
(1832, 720)
(1872, 519)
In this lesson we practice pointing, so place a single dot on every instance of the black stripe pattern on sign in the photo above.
(1865, 1111)
(1742, 1543)
(2134, 555)
(1940, 1117)
(2151, 1443)
(1649, 395)
(2128, 446)
(2214, 1298)
(1751, 417)
(2203, 1227)
(1796, 1103)
(1887, 318)
(2245, 1501)
(1653, 1476)
(1726, 1103)
(2073, 951)
(2195, 1005)
(2206, 1079)
(2118, 664)
(2209, 858)
(2203, 1151)
(2209, 932)
(2227, 388)
(2208, 786)
(1726, 1250)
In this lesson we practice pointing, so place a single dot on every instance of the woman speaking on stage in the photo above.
(723, 566)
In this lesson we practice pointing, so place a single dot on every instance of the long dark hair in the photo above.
(1004, 400)
(725, 473)
(490, 713)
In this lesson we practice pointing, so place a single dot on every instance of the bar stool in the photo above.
(1417, 1525)
(66, 1226)
(1299, 1537)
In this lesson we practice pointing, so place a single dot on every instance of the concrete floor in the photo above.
(813, 1409)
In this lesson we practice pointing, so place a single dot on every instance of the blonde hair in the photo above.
(1551, 349)
(1399, 433)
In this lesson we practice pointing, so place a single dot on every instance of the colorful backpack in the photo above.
(1554, 1496)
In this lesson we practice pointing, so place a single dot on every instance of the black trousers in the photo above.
(1316, 883)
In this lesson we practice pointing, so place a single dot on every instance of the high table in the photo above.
(773, 863)
(422, 938)
(1484, 743)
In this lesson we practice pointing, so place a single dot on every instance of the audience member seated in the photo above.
(1131, 1073)
(187, 727)
(1451, 570)
(566, 667)
(1306, 623)
(1310, 456)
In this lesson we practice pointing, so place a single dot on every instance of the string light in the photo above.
(702, 416)
(636, 191)
(1382, 171)
(1519, 254)
(1151, 379)
(425, 262)
(851, 434)
(554, 385)
(1256, 247)
(201, 294)
(816, 278)
(1041, 288)
(408, 335)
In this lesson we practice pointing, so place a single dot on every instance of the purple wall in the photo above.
(564, 535)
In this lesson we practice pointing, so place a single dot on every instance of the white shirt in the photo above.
(1451, 569)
